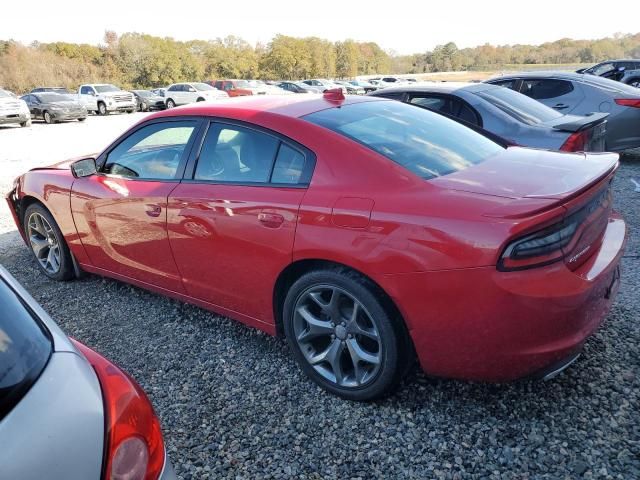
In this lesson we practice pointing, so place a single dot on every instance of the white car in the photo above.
(383, 82)
(351, 88)
(13, 110)
(184, 93)
(323, 84)
(104, 98)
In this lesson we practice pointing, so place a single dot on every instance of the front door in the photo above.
(232, 223)
(121, 212)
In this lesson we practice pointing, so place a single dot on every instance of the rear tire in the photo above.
(200, 99)
(170, 103)
(26, 124)
(82, 119)
(357, 357)
(47, 243)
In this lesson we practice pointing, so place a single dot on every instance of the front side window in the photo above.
(425, 143)
(25, 348)
(153, 152)
(236, 154)
(86, 91)
(545, 88)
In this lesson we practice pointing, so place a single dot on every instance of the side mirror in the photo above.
(84, 168)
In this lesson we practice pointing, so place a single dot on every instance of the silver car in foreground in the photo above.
(65, 411)
(582, 94)
(505, 113)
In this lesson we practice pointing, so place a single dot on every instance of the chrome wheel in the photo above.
(44, 243)
(337, 336)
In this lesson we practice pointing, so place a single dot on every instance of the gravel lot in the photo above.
(234, 405)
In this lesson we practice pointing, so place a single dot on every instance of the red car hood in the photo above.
(533, 174)
(65, 164)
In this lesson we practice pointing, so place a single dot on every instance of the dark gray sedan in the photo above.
(55, 107)
(147, 100)
(581, 94)
(505, 113)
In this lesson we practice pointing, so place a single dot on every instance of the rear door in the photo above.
(562, 95)
(121, 212)
(233, 218)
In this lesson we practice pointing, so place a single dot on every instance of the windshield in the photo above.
(106, 88)
(202, 86)
(53, 97)
(25, 348)
(422, 141)
(518, 106)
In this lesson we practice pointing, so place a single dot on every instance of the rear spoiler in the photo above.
(582, 123)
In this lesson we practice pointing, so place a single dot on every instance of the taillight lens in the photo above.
(628, 102)
(134, 447)
(538, 249)
(576, 142)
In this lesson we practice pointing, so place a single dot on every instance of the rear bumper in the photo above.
(486, 325)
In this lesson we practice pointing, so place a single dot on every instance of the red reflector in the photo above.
(334, 94)
(628, 102)
(134, 449)
(576, 142)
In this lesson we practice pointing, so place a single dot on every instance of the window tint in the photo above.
(426, 143)
(518, 106)
(218, 85)
(236, 154)
(542, 89)
(447, 105)
(25, 348)
(86, 90)
(289, 165)
(153, 152)
(433, 103)
(174, 88)
(506, 83)
(603, 68)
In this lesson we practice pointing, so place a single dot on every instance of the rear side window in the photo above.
(25, 348)
(446, 105)
(543, 88)
(425, 143)
(518, 106)
(289, 165)
(236, 154)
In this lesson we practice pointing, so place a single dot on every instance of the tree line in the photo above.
(135, 60)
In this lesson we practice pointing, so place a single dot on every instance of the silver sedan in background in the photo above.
(65, 411)
(582, 94)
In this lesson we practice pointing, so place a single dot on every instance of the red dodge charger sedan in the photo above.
(364, 230)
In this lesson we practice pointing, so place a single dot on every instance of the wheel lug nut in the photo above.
(333, 336)
(333, 325)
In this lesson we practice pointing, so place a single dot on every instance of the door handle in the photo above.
(270, 220)
(560, 106)
(154, 210)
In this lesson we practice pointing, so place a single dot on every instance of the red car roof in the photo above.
(244, 107)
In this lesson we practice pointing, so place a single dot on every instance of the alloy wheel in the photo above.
(44, 243)
(337, 336)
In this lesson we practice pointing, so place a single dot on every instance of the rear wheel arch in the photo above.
(297, 269)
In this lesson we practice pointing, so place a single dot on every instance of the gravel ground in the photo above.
(234, 405)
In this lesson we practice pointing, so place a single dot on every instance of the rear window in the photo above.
(25, 348)
(424, 142)
(518, 106)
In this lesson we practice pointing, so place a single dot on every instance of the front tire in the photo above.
(47, 243)
(46, 116)
(102, 108)
(171, 103)
(82, 119)
(342, 336)
(26, 124)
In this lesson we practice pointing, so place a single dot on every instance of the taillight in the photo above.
(628, 102)
(576, 142)
(134, 449)
(538, 249)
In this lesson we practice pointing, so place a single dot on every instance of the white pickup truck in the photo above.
(104, 98)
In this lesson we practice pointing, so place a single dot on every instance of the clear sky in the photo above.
(403, 26)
